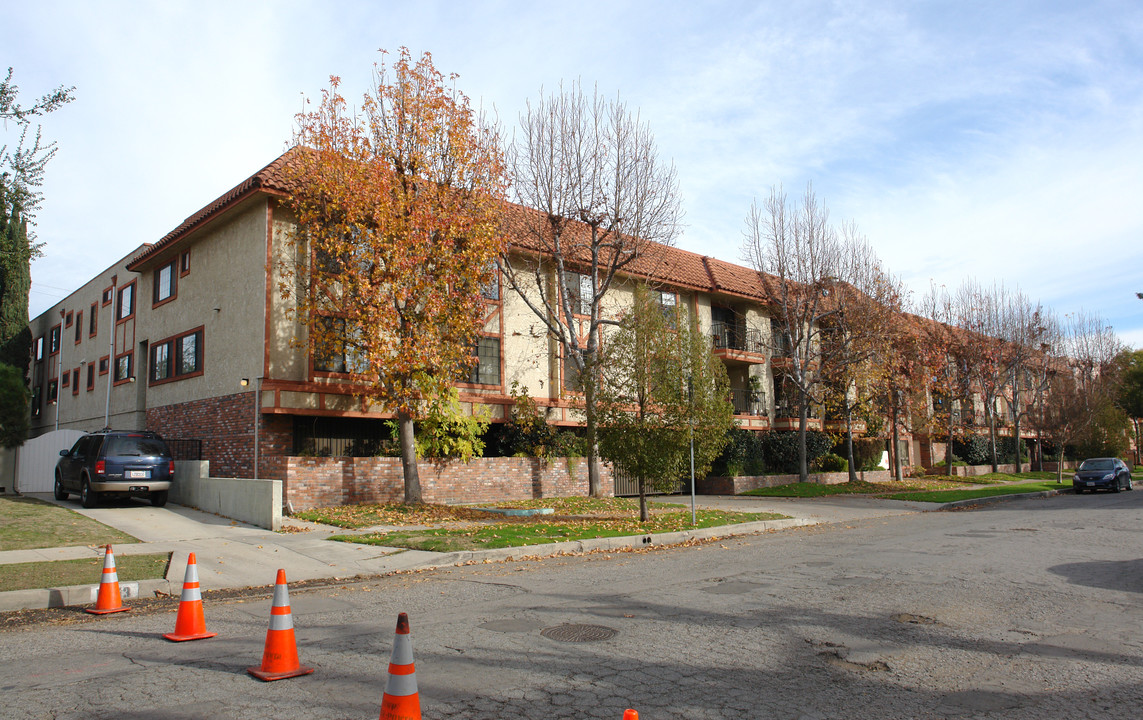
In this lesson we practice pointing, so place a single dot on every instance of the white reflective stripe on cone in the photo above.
(281, 622)
(402, 650)
(401, 685)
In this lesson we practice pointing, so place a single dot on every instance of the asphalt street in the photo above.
(1023, 609)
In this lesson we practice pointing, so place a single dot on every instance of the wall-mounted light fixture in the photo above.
(244, 382)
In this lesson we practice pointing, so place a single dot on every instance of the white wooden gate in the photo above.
(36, 460)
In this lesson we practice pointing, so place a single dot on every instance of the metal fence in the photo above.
(627, 486)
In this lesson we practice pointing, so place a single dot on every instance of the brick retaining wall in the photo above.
(325, 482)
(743, 483)
(224, 424)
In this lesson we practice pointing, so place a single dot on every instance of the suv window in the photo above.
(135, 445)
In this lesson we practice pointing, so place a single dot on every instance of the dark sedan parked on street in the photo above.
(1106, 473)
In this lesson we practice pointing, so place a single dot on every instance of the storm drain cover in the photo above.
(575, 633)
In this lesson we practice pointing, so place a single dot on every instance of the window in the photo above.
(491, 291)
(571, 375)
(184, 264)
(177, 357)
(579, 288)
(70, 318)
(36, 401)
(668, 304)
(54, 341)
(487, 368)
(161, 361)
(67, 379)
(91, 376)
(39, 348)
(334, 352)
(187, 359)
(104, 365)
(75, 382)
(53, 391)
(124, 364)
(78, 327)
(108, 294)
(93, 320)
(166, 285)
(126, 306)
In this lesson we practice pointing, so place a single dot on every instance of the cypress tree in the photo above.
(15, 282)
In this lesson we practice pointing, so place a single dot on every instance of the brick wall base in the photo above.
(326, 482)
(224, 424)
(743, 483)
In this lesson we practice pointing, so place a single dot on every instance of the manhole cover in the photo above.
(578, 633)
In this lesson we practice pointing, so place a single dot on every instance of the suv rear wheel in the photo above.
(159, 498)
(58, 489)
(88, 497)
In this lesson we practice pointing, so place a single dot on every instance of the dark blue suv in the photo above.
(116, 463)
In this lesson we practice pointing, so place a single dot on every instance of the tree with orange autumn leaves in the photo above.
(398, 208)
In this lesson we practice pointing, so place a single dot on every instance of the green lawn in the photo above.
(444, 528)
(945, 496)
(27, 523)
(88, 571)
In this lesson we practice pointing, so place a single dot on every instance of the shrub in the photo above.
(781, 449)
(866, 452)
(742, 455)
(832, 463)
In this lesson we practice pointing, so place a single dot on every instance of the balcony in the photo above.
(838, 426)
(735, 343)
(792, 423)
(748, 402)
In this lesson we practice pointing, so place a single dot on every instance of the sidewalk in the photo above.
(235, 555)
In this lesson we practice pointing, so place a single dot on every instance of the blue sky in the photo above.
(998, 141)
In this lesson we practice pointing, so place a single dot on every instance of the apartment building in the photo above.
(191, 336)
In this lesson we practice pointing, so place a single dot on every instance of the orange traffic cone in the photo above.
(401, 700)
(190, 623)
(109, 600)
(630, 715)
(280, 657)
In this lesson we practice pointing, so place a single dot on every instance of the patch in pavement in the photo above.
(973, 702)
(577, 633)
(734, 587)
(914, 619)
(510, 626)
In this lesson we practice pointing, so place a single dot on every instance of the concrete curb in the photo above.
(998, 499)
(76, 595)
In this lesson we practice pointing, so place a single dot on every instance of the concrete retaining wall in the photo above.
(258, 502)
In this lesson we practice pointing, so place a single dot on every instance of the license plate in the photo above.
(1089, 484)
(138, 474)
(139, 488)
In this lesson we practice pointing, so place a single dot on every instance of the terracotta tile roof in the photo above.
(269, 179)
(668, 265)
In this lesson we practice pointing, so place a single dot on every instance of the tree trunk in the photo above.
(949, 447)
(849, 441)
(992, 438)
(1060, 465)
(644, 516)
(409, 458)
(594, 485)
(803, 418)
(896, 440)
(1016, 423)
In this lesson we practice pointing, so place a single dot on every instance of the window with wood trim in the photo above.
(78, 326)
(184, 264)
(39, 348)
(75, 382)
(91, 376)
(104, 364)
(53, 390)
(166, 284)
(126, 307)
(93, 320)
(108, 296)
(54, 340)
(67, 379)
(177, 358)
(124, 367)
(486, 371)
